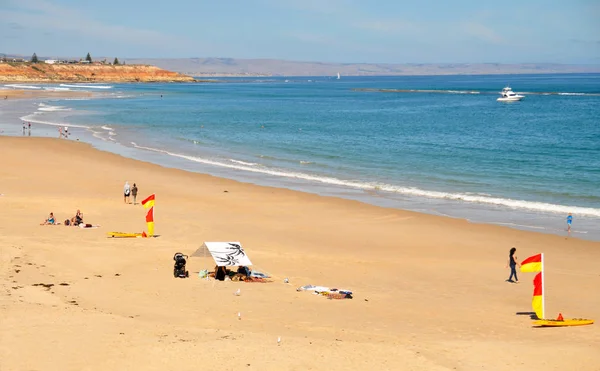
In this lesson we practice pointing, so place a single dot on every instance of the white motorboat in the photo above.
(509, 96)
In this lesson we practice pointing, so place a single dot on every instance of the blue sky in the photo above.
(382, 31)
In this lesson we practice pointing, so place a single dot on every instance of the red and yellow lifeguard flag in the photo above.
(538, 296)
(532, 264)
(149, 201)
(150, 221)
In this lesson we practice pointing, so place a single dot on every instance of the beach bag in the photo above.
(67, 222)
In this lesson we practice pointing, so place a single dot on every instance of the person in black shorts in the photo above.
(126, 192)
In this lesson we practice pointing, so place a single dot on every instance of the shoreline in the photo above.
(118, 296)
(471, 214)
(446, 218)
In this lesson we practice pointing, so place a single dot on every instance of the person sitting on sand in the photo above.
(243, 270)
(77, 219)
(50, 221)
(221, 273)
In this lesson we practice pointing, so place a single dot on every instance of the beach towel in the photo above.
(337, 295)
(88, 226)
(313, 288)
(330, 293)
(258, 274)
(257, 280)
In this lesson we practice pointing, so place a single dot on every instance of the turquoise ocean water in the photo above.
(444, 147)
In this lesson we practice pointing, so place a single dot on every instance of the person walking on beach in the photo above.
(126, 192)
(512, 262)
(569, 222)
(134, 191)
(60, 131)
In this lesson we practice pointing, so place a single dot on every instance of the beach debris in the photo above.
(237, 293)
(239, 315)
(47, 286)
(286, 280)
(279, 340)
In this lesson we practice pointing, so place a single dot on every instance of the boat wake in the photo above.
(441, 91)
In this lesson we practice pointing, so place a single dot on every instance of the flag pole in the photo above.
(543, 290)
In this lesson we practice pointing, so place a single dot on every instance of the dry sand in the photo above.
(429, 291)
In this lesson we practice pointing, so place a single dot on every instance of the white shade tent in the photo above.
(225, 253)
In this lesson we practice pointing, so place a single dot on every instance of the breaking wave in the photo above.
(381, 187)
(32, 118)
(20, 86)
(87, 86)
(49, 108)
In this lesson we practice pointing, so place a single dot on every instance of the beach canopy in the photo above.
(226, 253)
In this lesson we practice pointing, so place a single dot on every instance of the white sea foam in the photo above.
(49, 108)
(459, 91)
(87, 86)
(243, 162)
(20, 86)
(32, 118)
(306, 162)
(408, 191)
(107, 128)
(54, 88)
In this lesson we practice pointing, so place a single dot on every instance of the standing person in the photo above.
(60, 131)
(126, 192)
(134, 191)
(512, 262)
(67, 132)
(569, 222)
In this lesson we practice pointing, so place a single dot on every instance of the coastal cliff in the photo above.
(41, 72)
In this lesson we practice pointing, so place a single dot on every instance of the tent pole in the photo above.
(543, 290)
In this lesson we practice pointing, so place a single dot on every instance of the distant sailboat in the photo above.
(338, 76)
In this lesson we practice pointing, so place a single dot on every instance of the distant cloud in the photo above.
(312, 38)
(46, 16)
(585, 42)
(328, 7)
(15, 26)
(388, 26)
(481, 32)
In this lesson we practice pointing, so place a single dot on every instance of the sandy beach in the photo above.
(429, 291)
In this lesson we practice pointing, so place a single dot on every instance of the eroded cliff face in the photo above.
(42, 72)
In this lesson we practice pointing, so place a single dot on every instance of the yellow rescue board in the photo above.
(566, 322)
(123, 234)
